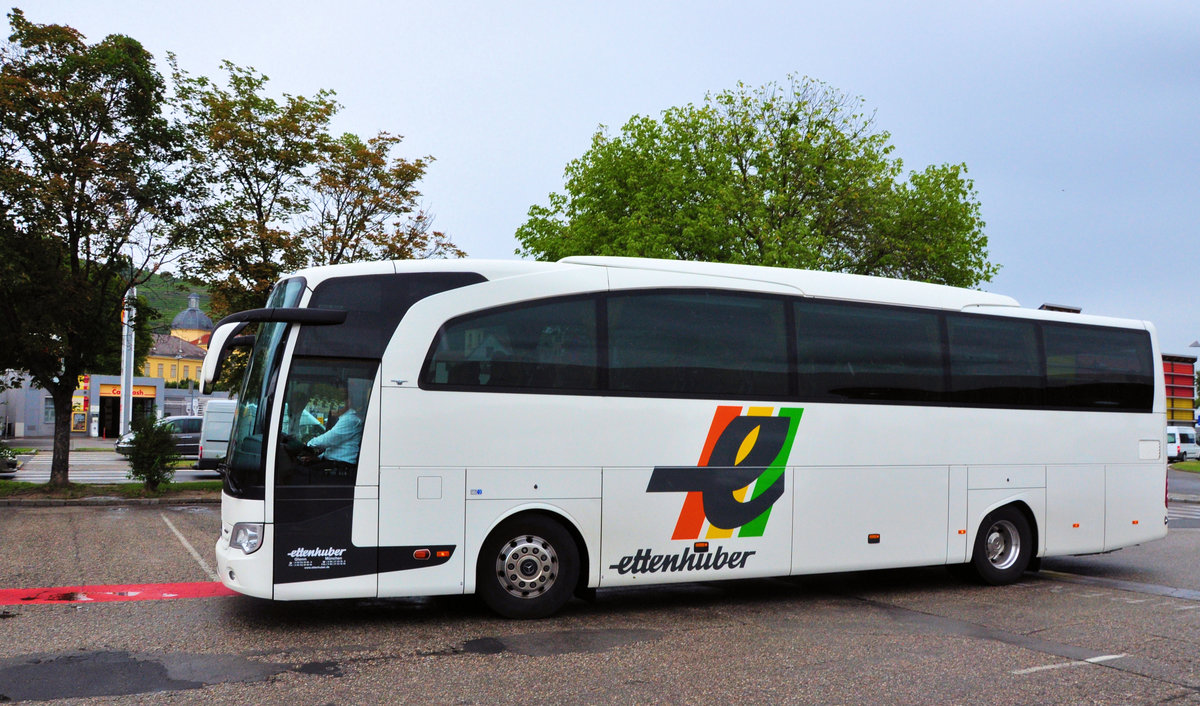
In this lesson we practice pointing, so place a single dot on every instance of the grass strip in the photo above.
(74, 491)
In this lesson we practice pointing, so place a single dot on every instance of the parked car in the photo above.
(1181, 444)
(214, 432)
(187, 436)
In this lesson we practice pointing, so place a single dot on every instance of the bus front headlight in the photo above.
(246, 536)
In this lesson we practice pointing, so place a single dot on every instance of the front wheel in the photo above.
(528, 567)
(1003, 547)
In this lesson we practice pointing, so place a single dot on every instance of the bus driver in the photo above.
(341, 442)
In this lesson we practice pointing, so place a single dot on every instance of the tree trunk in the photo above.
(59, 465)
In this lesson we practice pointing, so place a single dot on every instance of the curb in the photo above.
(104, 501)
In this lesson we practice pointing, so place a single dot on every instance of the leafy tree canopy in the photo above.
(793, 175)
(249, 153)
(88, 184)
(362, 205)
(277, 192)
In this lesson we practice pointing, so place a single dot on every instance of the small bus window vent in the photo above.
(1061, 307)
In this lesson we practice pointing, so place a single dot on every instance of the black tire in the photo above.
(528, 567)
(1003, 547)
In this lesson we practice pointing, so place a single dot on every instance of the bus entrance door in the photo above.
(326, 518)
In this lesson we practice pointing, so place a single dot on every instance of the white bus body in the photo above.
(597, 455)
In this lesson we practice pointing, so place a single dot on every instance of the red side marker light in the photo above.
(421, 554)
(1135, 522)
(700, 547)
(872, 539)
(443, 554)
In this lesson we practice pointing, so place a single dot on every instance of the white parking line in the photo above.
(1075, 663)
(191, 550)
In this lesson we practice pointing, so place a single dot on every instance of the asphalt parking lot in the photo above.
(1117, 628)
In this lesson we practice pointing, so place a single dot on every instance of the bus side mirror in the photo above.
(222, 340)
(225, 335)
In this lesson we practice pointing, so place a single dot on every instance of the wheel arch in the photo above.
(1031, 518)
(556, 514)
(1031, 503)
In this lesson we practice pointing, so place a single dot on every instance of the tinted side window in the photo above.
(541, 346)
(191, 426)
(994, 361)
(697, 343)
(1100, 368)
(854, 352)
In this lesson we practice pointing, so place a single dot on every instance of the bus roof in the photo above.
(837, 285)
(831, 285)
(491, 269)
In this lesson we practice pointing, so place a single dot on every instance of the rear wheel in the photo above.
(528, 567)
(1003, 546)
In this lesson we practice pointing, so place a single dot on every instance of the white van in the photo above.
(1181, 444)
(214, 432)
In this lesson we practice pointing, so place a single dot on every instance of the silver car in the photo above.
(187, 436)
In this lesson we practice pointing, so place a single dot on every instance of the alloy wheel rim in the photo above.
(527, 566)
(1003, 544)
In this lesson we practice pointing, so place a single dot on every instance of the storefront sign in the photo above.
(138, 390)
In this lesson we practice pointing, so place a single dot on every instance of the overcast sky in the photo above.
(1079, 122)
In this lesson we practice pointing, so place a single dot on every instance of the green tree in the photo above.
(280, 193)
(362, 205)
(794, 175)
(250, 154)
(88, 183)
(152, 452)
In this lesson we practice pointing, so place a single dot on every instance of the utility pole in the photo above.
(127, 338)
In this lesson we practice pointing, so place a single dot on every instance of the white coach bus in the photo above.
(527, 431)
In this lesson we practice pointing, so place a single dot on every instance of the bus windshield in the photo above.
(245, 468)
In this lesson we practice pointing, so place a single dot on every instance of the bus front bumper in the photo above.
(249, 574)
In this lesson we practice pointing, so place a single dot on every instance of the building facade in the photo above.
(1179, 375)
(173, 359)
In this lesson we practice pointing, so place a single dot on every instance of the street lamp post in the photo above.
(127, 341)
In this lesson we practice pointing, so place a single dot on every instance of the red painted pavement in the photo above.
(101, 594)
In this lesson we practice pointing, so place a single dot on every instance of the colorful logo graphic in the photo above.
(739, 476)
